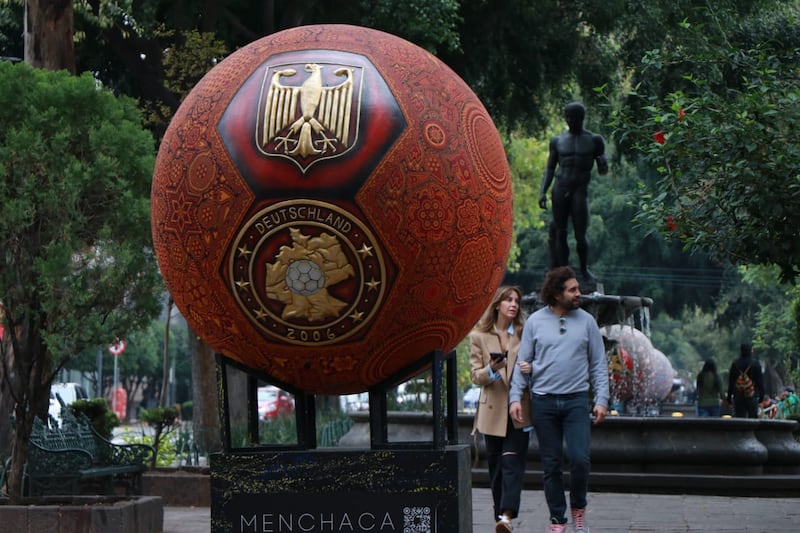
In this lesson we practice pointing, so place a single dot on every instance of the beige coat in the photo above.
(491, 418)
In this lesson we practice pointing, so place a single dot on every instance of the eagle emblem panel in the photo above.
(311, 120)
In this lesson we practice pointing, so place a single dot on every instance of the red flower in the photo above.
(659, 137)
(681, 114)
(671, 226)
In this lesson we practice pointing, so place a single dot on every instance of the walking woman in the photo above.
(494, 344)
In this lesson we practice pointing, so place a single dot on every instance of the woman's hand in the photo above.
(497, 364)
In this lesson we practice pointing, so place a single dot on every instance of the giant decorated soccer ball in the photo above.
(329, 205)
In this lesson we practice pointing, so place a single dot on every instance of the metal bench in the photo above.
(75, 459)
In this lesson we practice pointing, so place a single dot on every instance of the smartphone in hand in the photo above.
(496, 356)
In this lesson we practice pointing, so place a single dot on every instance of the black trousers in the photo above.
(745, 407)
(506, 458)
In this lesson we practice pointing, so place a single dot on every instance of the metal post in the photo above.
(114, 392)
(99, 387)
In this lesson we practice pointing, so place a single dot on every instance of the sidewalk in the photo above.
(607, 513)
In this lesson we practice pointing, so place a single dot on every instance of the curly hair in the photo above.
(554, 282)
(487, 321)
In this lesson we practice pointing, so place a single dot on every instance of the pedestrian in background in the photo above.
(745, 384)
(494, 346)
(565, 348)
(709, 390)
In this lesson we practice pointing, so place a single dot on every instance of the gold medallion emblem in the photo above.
(307, 272)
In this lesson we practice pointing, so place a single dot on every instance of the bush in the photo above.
(97, 410)
(163, 420)
(187, 410)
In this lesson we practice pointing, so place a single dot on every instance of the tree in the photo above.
(48, 30)
(77, 269)
(522, 57)
(721, 137)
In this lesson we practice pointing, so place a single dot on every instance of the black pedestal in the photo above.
(404, 490)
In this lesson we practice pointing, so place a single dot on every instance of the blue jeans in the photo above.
(708, 410)
(556, 418)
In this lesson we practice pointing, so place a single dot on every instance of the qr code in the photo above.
(417, 520)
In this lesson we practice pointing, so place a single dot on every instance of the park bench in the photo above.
(73, 459)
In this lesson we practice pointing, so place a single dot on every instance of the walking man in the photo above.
(565, 348)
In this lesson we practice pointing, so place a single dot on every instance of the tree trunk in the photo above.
(23, 425)
(30, 365)
(165, 383)
(48, 34)
(205, 410)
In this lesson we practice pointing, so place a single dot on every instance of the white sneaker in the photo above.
(503, 525)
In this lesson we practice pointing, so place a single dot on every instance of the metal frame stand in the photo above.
(444, 394)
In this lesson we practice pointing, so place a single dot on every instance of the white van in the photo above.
(68, 392)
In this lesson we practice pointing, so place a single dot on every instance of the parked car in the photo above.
(274, 402)
(471, 398)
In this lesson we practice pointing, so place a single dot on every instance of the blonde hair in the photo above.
(487, 321)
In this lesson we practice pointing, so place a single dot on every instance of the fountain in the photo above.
(640, 375)
(640, 450)
(637, 450)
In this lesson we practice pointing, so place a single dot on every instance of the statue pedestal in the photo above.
(420, 490)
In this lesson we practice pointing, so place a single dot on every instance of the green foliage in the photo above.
(159, 416)
(721, 137)
(527, 157)
(163, 421)
(775, 322)
(142, 362)
(187, 58)
(628, 256)
(429, 24)
(103, 419)
(283, 430)
(166, 451)
(10, 17)
(74, 192)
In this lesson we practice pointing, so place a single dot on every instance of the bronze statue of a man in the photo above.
(574, 152)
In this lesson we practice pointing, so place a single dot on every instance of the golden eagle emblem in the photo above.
(310, 121)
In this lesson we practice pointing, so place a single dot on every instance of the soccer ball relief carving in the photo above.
(330, 204)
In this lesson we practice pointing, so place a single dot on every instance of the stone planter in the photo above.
(84, 514)
(185, 487)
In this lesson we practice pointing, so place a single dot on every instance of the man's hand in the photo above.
(515, 411)
(600, 412)
(543, 200)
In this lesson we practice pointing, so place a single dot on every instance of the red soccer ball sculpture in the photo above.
(330, 204)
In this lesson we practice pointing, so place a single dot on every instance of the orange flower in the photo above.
(659, 137)
(681, 114)
(671, 226)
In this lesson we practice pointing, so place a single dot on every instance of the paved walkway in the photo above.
(608, 513)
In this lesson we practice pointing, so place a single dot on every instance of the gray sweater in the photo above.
(563, 363)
